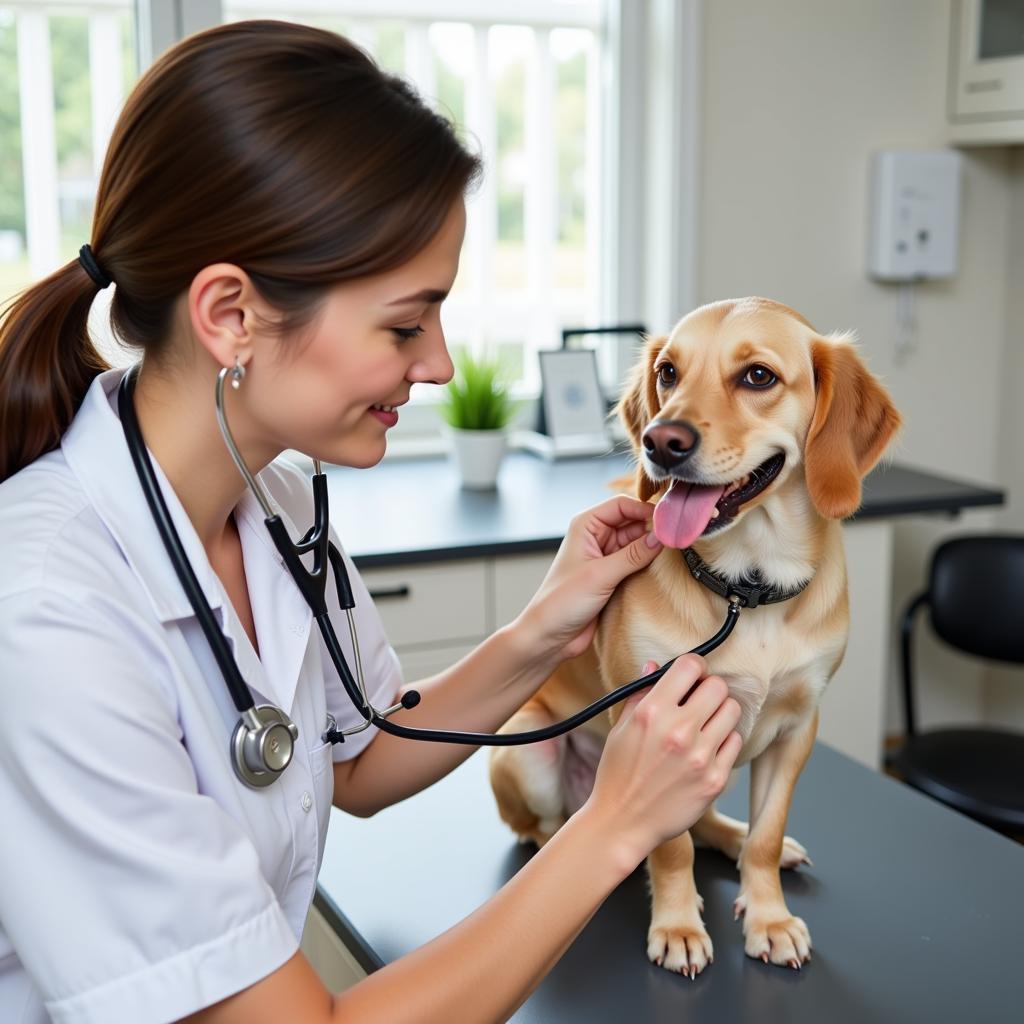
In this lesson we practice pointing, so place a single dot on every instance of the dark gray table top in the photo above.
(914, 910)
(403, 511)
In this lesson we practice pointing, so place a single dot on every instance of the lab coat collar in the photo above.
(96, 451)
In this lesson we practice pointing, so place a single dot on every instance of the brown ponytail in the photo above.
(47, 362)
(281, 148)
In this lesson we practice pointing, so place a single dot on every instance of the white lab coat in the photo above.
(139, 879)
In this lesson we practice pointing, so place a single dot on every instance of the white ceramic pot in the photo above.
(478, 455)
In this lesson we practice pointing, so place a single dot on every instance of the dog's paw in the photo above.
(684, 950)
(727, 835)
(774, 935)
(793, 854)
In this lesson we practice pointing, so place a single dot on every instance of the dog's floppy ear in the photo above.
(854, 419)
(638, 406)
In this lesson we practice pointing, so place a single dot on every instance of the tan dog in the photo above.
(753, 432)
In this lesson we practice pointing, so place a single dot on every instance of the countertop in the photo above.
(914, 910)
(405, 511)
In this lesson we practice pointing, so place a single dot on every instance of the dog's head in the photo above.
(742, 395)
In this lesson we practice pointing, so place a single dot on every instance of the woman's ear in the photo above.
(854, 420)
(222, 311)
(638, 405)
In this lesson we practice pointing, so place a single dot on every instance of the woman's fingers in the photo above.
(729, 750)
(630, 703)
(634, 698)
(615, 523)
(678, 681)
(620, 510)
(722, 722)
(629, 533)
(636, 555)
(706, 699)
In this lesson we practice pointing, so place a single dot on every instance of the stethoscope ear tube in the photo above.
(263, 740)
(240, 693)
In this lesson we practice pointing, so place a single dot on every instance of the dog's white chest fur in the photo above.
(774, 672)
(767, 666)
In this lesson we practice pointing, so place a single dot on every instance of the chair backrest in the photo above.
(976, 595)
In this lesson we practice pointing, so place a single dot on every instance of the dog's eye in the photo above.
(759, 377)
(666, 375)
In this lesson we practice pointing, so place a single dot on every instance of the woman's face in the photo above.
(372, 340)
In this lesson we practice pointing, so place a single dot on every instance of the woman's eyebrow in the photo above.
(426, 295)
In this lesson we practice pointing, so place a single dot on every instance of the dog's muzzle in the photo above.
(669, 443)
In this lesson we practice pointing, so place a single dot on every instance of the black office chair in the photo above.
(975, 597)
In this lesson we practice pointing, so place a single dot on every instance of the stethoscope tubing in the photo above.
(240, 692)
(512, 739)
(312, 585)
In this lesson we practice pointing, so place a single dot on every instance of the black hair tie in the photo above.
(92, 268)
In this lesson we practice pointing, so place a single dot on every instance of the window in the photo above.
(522, 82)
(64, 72)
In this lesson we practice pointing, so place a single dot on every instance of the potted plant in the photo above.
(478, 409)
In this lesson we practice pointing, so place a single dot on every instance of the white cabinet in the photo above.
(432, 604)
(436, 612)
(330, 957)
(419, 663)
(515, 581)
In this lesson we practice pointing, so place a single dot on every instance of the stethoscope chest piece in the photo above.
(262, 745)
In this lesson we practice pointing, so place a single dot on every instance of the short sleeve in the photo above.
(381, 669)
(126, 894)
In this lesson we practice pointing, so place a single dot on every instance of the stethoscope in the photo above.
(264, 738)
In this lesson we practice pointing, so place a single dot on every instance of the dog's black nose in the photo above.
(669, 443)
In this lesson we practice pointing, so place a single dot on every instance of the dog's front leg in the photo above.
(677, 939)
(770, 931)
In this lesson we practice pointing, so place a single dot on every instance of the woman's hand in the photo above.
(602, 546)
(664, 760)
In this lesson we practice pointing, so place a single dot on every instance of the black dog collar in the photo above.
(751, 591)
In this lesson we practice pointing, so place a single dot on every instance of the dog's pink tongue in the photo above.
(683, 513)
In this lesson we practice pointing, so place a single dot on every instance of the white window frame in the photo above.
(536, 315)
(161, 23)
(652, 165)
(158, 24)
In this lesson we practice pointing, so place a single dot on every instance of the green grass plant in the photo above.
(477, 397)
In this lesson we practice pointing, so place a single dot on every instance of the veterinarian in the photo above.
(272, 205)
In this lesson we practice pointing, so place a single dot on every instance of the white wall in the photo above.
(796, 95)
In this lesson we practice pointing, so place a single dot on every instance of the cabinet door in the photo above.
(434, 603)
(331, 959)
(428, 661)
(516, 579)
